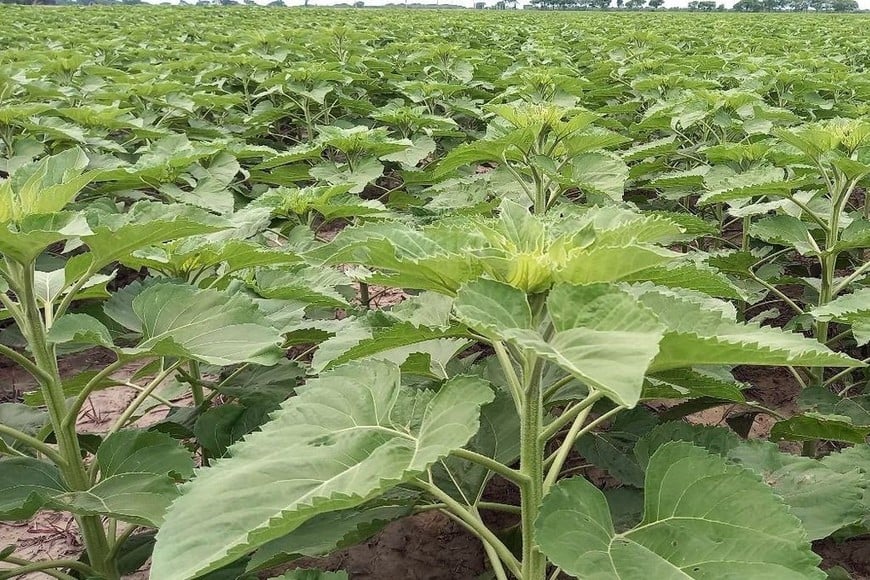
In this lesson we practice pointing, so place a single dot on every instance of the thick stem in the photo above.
(73, 470)
(532, 466)
(825, 296)
(198, 400)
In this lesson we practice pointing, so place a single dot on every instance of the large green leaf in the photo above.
(346, 437)
(207, 325)
(138, 473)
(115, 236)
(703, 518)
(702, 331)
(45, 186)
(603, 337)
(824, 499)
(24, 241)
(26, 484)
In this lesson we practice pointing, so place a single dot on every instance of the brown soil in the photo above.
(428, 546)
(851, 555)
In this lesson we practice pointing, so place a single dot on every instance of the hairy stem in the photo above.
(73, 469)
(532, 467)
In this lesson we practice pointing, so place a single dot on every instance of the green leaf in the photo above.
(695, 503)
(26, 484)
(80, 329)
(729, 186)
(138, 473)
(490, 307)
(611, 450)
(116, 236)
(702, 331)
(24, 418)
(603, 337)
(29, 238)
(498, 438)
(207, 325)
(45, 186)
(600, 173)
(824, 499)
(331, 531)
(349, 435)
(785, 230)
(689, 276)
(308, 284)
(852, 309)
(221, 426)
(690, 384)
(714, 439)
(812, 426)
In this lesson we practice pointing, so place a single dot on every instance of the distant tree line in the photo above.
(796, 5)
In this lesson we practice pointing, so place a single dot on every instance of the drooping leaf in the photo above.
(27, 484)
(138, 474)
(811, 426)
(80, 329)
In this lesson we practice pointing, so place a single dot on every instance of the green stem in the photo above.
(481, 505)
(569, 415)
(143, 396)
(825, 296)
(842, 374)
(71, 294)
(592, 425)
(198, 400)
(776, 291)
(118, 542)
(33, 443)
(532, 467)
(860, 271)
(73, 470)
(25, 363)
(565, 448)
(474, 523)
(47, 567)
(554, 388)
(510, 372)
(506, 472)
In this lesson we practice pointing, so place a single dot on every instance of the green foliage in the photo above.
(358, 266)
